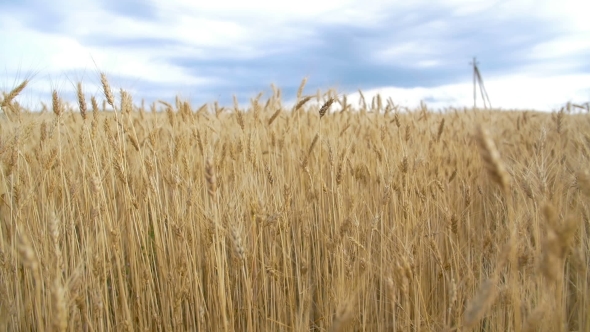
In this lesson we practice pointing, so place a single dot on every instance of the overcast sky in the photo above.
(532, 54)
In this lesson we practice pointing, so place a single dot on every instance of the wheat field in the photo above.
(324, 216)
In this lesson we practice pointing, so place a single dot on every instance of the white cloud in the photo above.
(405, 50)
(523, 92)
(416, 54)
(273, 12)
(46, 57)
(538, 92)
(468, 8)
(570, 45)
(427, 63)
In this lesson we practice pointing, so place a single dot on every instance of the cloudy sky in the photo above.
(532, 54)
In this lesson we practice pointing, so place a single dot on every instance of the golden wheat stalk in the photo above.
(81, 101)
(325, 107)
(13, 93)
(301, 103)
(210, 177)
(56, 104)
(107, 90)
(491, 157)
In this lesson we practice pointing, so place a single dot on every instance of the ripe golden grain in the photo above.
(492, 161)
(108, 93)
(301, 103)
(82, 101)
(8, 98)
(210, 177)
(218, 228)
(274, 116)
(57, 107)
(325, 107)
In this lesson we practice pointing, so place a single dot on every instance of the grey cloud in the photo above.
(139, 9)
(340, 55)
(38, 15)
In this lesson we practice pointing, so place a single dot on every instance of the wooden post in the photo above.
(474, 63)
(477, 79)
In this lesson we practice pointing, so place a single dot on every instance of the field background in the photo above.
(267, 218)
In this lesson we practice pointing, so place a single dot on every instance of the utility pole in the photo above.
(474, 63)
(477, 79)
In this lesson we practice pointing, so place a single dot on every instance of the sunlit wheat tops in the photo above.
(210, 177)
(274, 116)
(302, 102)
(81, 101)
(301, 87)
(56, 102)
(107, 90)
(260, 218)
(325, 107)
(8, 98)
